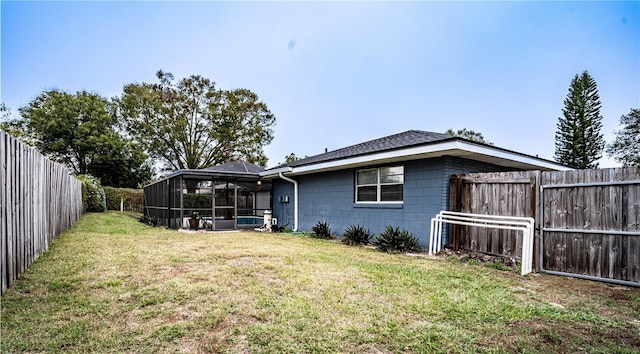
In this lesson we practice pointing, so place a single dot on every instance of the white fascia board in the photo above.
(275, 172)
(453, 148)
(513, 156)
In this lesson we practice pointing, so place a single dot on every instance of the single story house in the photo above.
(398, 180)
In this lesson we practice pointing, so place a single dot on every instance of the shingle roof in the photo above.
(391, 142)
(236, 166)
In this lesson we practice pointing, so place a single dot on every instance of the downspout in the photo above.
(295, 199)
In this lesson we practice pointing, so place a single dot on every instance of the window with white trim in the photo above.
(380, 185)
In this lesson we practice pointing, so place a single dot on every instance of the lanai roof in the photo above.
(233, 169)
(236, 167)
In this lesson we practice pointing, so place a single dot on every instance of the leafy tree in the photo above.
(4, 111)
(80, 131)
(626, 146)
(4, 117)
(191, 124)
(579, 142)
(292, 157)
(14, 127)
(120, 163)
(469, 135)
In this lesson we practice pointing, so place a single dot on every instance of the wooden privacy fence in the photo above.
(587, 221)
(38, 201)
(500, 193)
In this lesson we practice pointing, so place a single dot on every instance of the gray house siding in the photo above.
(330, 197)
(283, 211)
(455, 165)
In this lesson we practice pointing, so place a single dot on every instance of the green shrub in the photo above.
(395, 241)
(357, 235)
(93, 197)
(321, 230)
(150, 220)
(133, 199)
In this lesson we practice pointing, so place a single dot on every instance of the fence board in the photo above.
(595, 202)
(38, 201)
(588, 200)
(4, 206)
(496, 193)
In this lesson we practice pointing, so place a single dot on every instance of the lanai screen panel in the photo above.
(156, 201)
(175, 201)
(197, 201)
(225, 204)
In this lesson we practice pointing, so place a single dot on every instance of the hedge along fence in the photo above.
(93, 196)
(39, 200)
(133, 199)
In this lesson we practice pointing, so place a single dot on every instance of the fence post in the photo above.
(455, 187)
(534, 213)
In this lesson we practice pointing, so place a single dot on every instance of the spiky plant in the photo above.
(321, 230)
(357, 235)
(395, 241)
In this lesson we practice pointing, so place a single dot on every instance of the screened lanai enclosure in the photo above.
(225, 197)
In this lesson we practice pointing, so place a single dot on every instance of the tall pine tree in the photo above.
(579, 142)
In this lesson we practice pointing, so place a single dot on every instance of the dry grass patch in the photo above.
(112, 284)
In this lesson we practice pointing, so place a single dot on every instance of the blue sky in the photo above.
(339, 73)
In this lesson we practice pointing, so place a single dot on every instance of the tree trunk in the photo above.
(191, 185)
(82, 164)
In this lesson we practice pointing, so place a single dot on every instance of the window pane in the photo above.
(367, 177)
(367, 194)
(396, 170)
(392, 174)
(392, 179)
(391, 193)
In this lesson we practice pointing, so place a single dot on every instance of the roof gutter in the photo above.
(275, 172)
(295, 199)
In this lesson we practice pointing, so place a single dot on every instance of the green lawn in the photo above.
(112, 284)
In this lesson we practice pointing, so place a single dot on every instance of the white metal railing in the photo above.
(526, 225)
